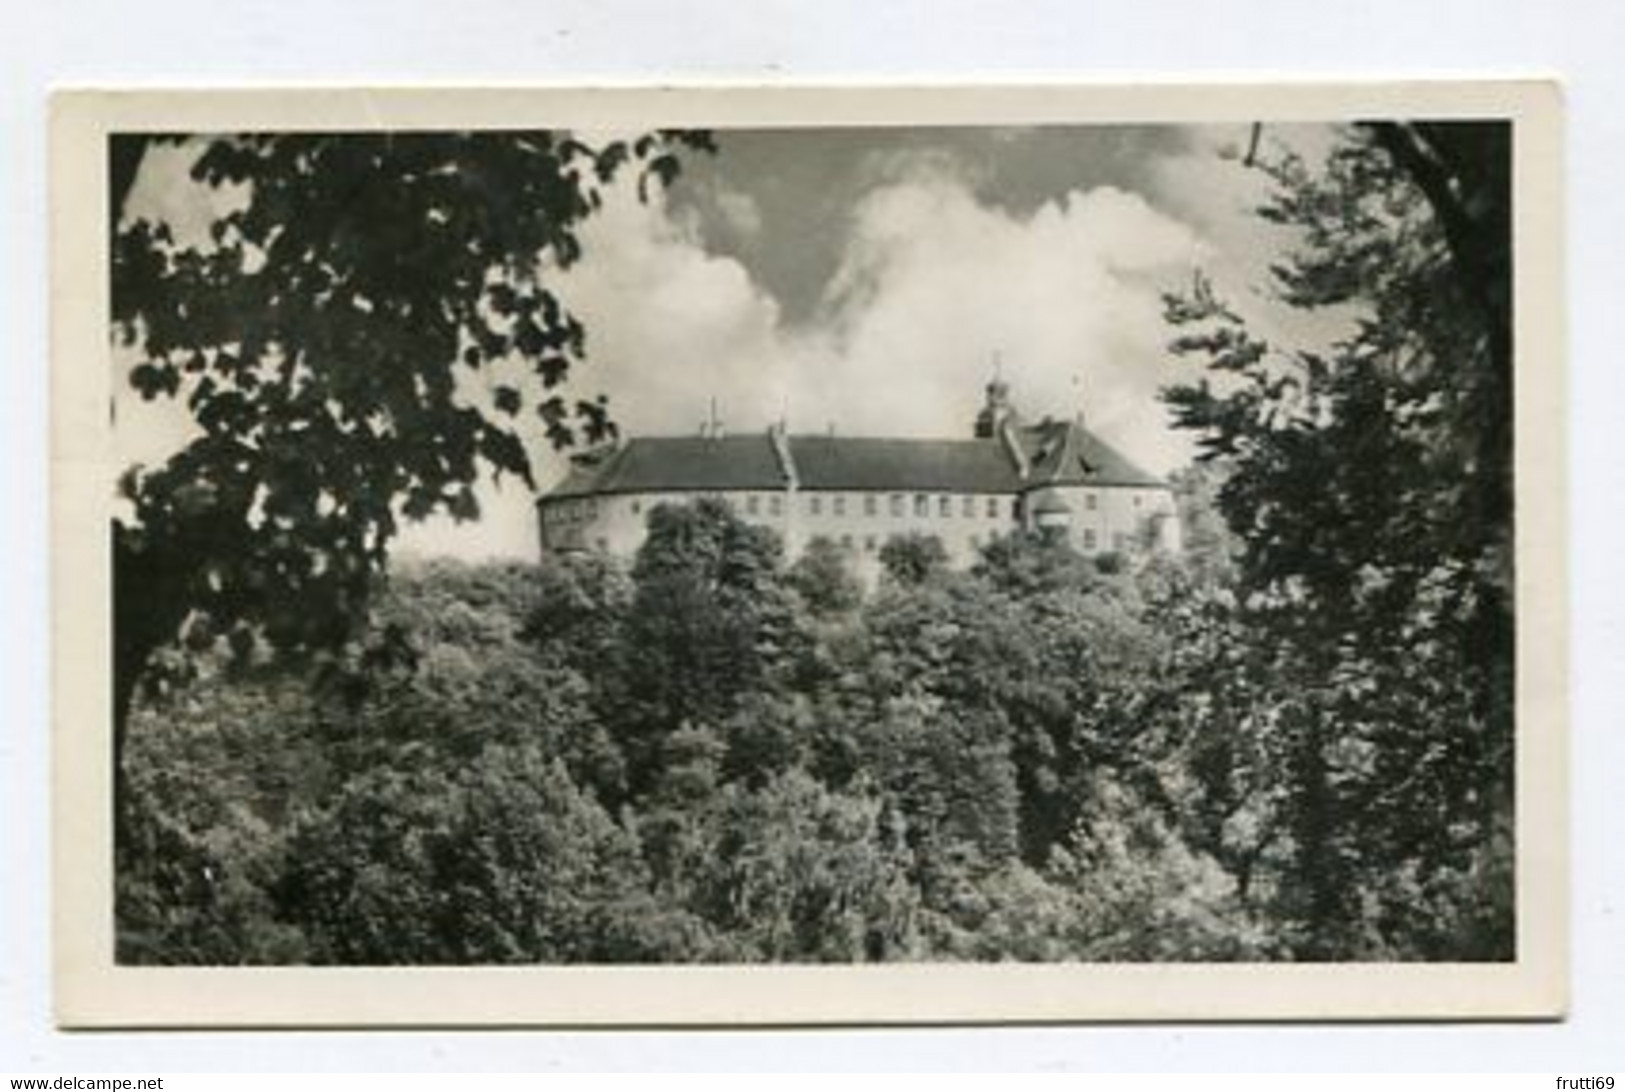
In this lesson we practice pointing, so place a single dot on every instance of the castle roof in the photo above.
(866, 463)
(650, 464)
(1066, 453)
(1057, 453)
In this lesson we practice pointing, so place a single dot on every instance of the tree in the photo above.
(320, 341)
(504, 860)
(712, 620)
(1370, 487)
(217, 778)
(800, 873)
(824, 579)
(913, 558)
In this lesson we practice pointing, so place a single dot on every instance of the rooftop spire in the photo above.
(711, 427)
(996, 410)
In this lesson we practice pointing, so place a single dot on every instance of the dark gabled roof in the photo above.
(864, 463)
(650, 464)
(1058, 453)
(1066, 453)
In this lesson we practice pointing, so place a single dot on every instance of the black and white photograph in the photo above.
(940, 543)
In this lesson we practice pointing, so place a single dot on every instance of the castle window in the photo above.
(897, 505)
(1137, 499)
(775, 505)
(815, 505)
(840, 504)
(1120, 542)
(871, 505)
(1090, 501)
(922, 505)
(637, 507)
(846, 542)
(753, 505)
(869, 543)
(1088, 538)
(945, 506)
(993, 508)
(970, 507)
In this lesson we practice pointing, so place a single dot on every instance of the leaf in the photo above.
(146, 378)
(507, 399)
(463, 505)
(553, 369)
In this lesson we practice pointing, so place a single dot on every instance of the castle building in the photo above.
(1053, 475)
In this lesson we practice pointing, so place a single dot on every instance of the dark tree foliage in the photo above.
(503, 860)
(913, 558)
(712, 620)
(825, 580)
(319, 342)
(1365, 667)
(526, 785)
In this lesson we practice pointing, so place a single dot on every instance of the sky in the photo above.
(872, 281)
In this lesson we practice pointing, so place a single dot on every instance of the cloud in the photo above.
(936, 283)
(932, 285)
(669, 324)
(669, 327)
(740, 212)
(1210, 187)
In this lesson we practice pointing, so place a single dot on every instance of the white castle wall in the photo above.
(1104, 519)
(1116, 518)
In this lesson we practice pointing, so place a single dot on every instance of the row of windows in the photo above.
(872, 543)
(1091, 541)
(775, 504)
(897, 505)
(576, 511)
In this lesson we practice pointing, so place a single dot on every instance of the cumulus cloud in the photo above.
(933, 286)
(740, 212)
(669, 327)
(1210, 187)
(669, 324)
(936, 283)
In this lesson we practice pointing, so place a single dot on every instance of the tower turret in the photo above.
(995, 411)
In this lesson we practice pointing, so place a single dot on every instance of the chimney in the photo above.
(1013, 448)
(778, 435)
(995, 411)
(711, 428)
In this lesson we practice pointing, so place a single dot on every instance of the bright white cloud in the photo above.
(740, 212)
(1211, 188)
(933, 284)
(669, 326)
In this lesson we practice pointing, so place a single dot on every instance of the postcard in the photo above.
(791, 555)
